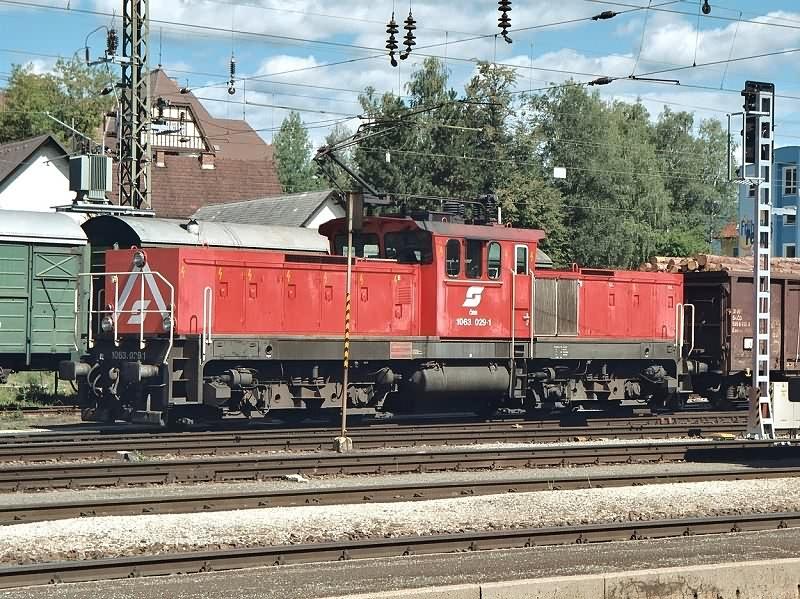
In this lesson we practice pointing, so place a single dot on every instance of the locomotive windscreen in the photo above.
(366, 245)
(409, 247)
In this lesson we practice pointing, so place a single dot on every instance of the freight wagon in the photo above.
(722, 344)
(41, 255)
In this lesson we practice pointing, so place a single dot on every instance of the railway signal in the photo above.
(757, 147)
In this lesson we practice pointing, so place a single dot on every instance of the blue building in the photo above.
(783, 191)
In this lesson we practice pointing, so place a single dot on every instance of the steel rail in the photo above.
(38, 410)
(256, 427)
(204, 561)
(85, 474)
(391, 492)
(233, 443)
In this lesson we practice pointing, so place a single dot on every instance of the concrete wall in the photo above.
(39, 185)
(774, 579)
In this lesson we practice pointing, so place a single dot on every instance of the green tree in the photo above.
(381, 158)
(341, 179)
(614, 188)
(70, 93)
(530, 202)
(435, 144)
(634, 187)
(489, 113)
(296, 172)
(695, 169)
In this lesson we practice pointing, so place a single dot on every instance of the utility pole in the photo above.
(355, 209)
(134, 161)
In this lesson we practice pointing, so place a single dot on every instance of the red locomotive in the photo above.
(445, 316)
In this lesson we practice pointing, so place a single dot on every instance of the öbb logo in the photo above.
(473, 297)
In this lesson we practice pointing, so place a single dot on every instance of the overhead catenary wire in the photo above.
(543, 69)
(222, 30)
(655, 173)
(718, 17)
(632, 8)
(641, 40)
(562, 71)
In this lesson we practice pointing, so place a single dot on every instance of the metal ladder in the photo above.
(760, 423)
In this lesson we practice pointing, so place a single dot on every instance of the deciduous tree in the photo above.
(70, 93)
(296, 172)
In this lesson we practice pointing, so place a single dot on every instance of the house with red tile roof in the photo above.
(198, 159)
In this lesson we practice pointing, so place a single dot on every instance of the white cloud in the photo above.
(669, 41)
(676, 40)
(41, 66)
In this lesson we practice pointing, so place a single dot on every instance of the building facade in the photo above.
(199, 159)
(784, 193)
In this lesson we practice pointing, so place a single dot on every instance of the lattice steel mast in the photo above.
(134, 161)
(758, 142)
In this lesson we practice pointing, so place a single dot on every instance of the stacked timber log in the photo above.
(710, 262)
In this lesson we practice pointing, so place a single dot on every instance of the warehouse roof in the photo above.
(294, 210)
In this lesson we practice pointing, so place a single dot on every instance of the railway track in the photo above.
(40, 410)
(88, 431)
(49, 447)
(204, 561)
(391, 492)
(220, 469)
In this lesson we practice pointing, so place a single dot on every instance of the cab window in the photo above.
(453, 258)
(473, 263)
(522, 259)
(493, 260)
(365, 245)
(408, 247)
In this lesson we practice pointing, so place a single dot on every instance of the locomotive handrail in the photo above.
(75, 340)
(533, 319)
(208, 311)
(680, 328)
(115, 311)
(513, 323)
(115, 316)
(691, 324)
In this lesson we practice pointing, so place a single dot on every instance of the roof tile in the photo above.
(13, 154)
(244, 166)
(290, 210)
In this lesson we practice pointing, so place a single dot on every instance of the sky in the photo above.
(316, 57)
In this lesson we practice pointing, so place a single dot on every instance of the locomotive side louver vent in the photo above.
(544, 307)
(90, 176)
(556, 307)
(567, 307)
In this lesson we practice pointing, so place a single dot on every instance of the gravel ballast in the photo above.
(116, 536)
